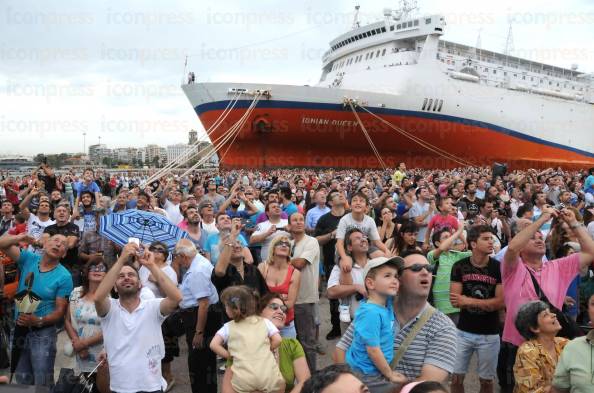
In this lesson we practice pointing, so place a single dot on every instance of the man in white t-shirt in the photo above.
(36, 223)
(268, 230)
(170, 200)
(131, 325)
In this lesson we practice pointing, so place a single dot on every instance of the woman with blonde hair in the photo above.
(282, 278)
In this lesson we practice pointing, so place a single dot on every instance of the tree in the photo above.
(107, 161)
(155, 161)
(134, 162)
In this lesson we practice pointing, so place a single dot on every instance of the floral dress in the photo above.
(86, 323)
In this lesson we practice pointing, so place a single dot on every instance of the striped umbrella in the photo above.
(146, 226)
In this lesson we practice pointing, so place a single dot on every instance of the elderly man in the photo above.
(431, 353)
(35, 332)
(200, 314)
(131, 325)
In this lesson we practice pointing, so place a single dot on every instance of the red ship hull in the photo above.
(312, 137)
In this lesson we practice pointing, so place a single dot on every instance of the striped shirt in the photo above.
(434, 344)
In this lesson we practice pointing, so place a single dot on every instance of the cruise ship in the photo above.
(394, 91)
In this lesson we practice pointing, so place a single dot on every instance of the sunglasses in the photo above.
(276, 306)
(283, 243)
(98, 268)
(157, 249)
(417, 267)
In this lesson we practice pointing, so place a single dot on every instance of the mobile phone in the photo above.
(134, 240)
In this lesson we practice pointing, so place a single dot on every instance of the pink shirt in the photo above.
(554, 279)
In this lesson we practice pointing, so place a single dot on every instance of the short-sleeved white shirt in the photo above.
(134, 346)
(367, 226)
(144, 274)
(265, 226)
(357, 276)
(173, 213)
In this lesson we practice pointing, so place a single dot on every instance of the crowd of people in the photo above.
(422, 269)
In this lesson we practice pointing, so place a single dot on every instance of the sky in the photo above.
(112, 69)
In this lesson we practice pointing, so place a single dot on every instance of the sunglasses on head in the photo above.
(98, 268)
(157, 249)
(417, 267)
(276, 306)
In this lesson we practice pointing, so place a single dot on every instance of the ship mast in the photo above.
(356, 18)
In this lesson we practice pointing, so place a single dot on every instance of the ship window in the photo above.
(360, 36)
(550, 83)
(416, 23)
(440, 105)
(435, 105)
(378, 31)
(494, 71)
(378, 53)
(383, 29)
(398, 26)
(424, 104)
(427, 21)
(557, 84)
(410, 24)
(515, 75)
(371, 55)
(486, 69)
(366, 56)
(430, 103)
(384, 52)
(392, 28)
(524, 77)
(373, 32)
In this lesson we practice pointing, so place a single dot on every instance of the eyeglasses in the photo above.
(98, 268)
(157, 249)
(283, 243)
(276, 306)
(417, 267)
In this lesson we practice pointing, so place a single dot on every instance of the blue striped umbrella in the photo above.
(148, 227)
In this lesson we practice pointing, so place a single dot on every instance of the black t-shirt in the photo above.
(251, 277)
(71, 259)
(326, 224)
(472, 207)
(477, 283)
(49, 181)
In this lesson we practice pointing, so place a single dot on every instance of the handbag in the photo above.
(69, 382)
(569, 328)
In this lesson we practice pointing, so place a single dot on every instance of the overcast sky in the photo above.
(112, 69)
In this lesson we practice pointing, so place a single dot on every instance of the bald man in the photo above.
(200, 314)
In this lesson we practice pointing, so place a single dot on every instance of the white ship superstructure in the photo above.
(400, 69)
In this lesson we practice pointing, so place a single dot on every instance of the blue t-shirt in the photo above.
(374, 327)
(56, 283)
(212, 246)
(82, 187)
(290, 209)
(589, 182)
